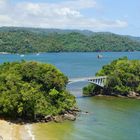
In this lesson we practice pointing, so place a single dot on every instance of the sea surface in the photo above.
(109, 118)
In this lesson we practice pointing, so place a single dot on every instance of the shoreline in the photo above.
(6, 53)
(11, 128)
(118, 96)
(21, 130)
(15, 131)
(28, 128)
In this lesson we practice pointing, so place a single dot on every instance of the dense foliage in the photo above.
(24, 40)
(123, 78)
(28, 89)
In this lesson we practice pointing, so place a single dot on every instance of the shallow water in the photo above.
(109, 118)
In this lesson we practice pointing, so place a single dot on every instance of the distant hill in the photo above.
(44, 31)
(134, 38)
(30, 40)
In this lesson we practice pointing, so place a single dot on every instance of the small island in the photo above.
(123, 79)
(33, 91)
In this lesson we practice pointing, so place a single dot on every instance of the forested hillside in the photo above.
(30, 40)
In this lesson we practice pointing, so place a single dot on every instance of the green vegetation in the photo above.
(123, 79)
(29, 40)
(29, 89)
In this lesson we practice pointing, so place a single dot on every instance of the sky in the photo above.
(117, 16)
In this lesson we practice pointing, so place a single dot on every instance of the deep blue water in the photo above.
(73, 64)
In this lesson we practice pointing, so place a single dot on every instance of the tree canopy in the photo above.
(32, 88)
(123, 78)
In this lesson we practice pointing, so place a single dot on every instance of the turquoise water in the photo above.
(109, 118)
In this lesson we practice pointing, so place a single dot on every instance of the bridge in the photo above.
(97, 80)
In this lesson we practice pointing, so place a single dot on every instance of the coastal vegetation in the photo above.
(31, 89)
(30, 40)
(123, 79)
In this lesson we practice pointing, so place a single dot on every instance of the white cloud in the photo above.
(47, 10)
(4, 19)
(3, 5)
(2, 1)
(79, 4)
(54, 15)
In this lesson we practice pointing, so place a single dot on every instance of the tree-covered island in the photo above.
(123, 79)
(33, 90)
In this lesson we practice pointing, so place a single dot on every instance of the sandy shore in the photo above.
(9, 131)
(12, 131)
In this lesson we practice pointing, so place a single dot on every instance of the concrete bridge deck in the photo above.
(97, 80)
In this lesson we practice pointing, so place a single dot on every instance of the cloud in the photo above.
(79, 4)
(5, 19)
(47, 10)
(101, 24)
(66, 14)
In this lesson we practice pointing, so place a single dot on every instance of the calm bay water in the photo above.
(109, 118)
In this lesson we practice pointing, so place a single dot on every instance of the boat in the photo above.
(99, 56)
(38, 54)
(22, 55)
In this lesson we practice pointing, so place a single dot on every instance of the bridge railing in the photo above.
(98, 80)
